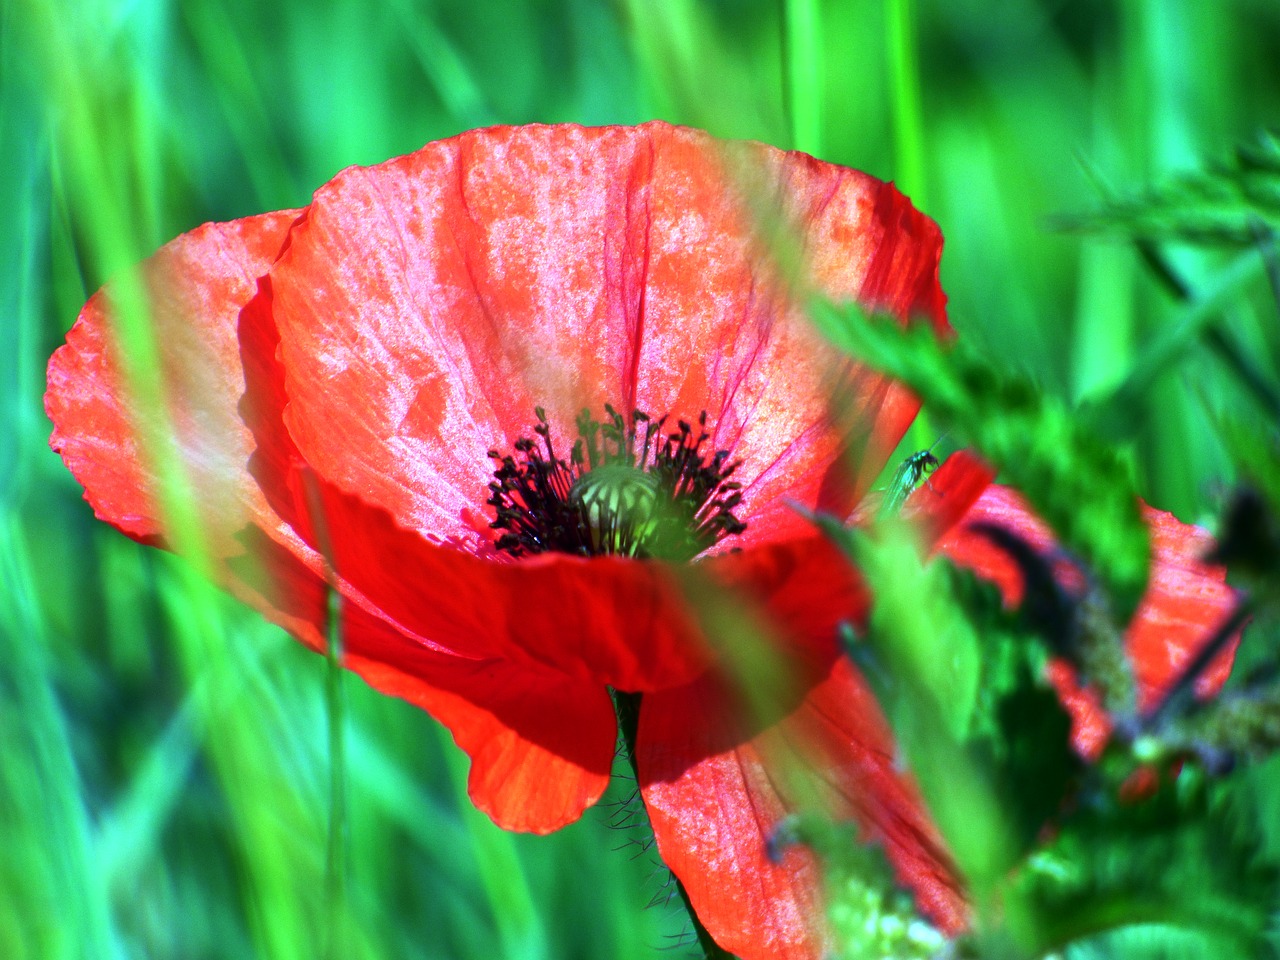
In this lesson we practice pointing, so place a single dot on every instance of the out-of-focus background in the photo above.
(164, 783)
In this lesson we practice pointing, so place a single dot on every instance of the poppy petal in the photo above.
(537, 779)
(541, 743)
(1186, 600)
(804, 589)
(610, 619)
(428, 305)
(715, 800)
(718, 774)
(195, 287)
(713, 808)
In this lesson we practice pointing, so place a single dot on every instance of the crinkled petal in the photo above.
(714, 802)
(806, 589)
(428, 305)
(716, 796)
(541, 743)
(612, 620)
(608, 620)
(1091, 725)
(1186, 600)
(195, 287)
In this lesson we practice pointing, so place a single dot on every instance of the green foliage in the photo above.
(1231, 204)
(1058, 855)
(960, 683)
(1181, 865)
(1080, 484)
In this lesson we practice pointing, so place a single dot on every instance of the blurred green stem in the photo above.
(52, 813)
(1216, 335)
(802, 52)
(336, 853)
(1266, 240)
(335, 875)
(1114, 414)
(904, 87)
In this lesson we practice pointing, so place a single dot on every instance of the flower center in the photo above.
(628, 488)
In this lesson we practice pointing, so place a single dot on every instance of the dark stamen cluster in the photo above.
(626, 488)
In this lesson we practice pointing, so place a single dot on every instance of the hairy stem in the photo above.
(627, 706)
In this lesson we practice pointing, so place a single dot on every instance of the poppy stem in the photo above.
(627, 707)
(335, 875)
(336, 853)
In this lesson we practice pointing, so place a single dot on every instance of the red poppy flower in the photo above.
(358, 390)
(1186, 598)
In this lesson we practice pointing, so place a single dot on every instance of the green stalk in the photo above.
(908, 146)
(904, 91)
(802, 53)
(335, 874)
(336, 860)
(51, 825)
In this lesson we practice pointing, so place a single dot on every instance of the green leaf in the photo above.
(1182, 868)
(923, 660)
(1020, 727)
(1226, 204)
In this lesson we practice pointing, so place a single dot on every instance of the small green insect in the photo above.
(914, 471)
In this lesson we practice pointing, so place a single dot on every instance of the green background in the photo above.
(164, 782)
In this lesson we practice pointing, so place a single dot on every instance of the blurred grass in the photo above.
(164, 782)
